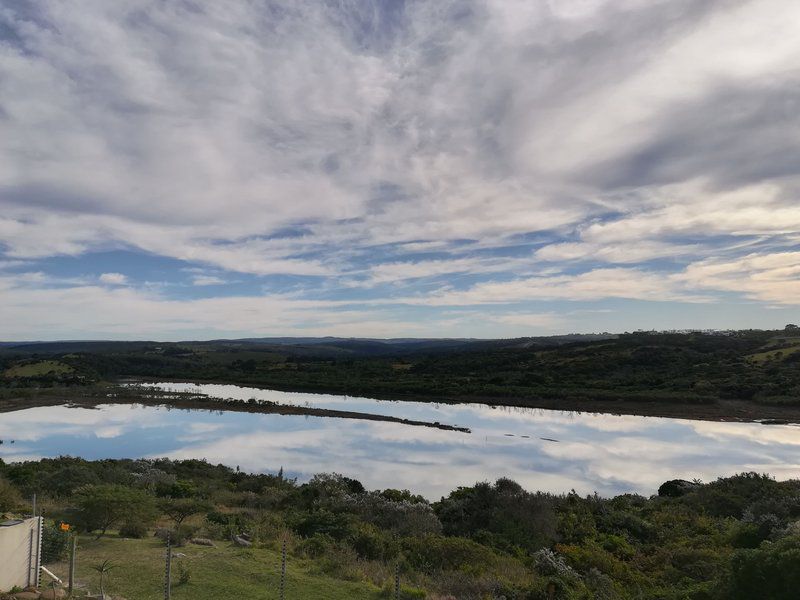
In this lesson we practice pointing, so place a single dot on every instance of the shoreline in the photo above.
(723, 410)
(720, 410)
(210, 403)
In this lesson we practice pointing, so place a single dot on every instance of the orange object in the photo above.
(64, 527)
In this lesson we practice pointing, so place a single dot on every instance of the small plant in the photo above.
(184, 574)
(103, 568)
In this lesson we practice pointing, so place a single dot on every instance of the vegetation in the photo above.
(695, 370)
(221, 572)
(737, 537)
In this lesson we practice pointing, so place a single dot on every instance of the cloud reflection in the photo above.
(605, 453)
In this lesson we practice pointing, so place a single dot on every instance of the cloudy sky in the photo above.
(179, 169)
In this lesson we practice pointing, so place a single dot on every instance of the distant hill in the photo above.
(308, 346)
(692, 370)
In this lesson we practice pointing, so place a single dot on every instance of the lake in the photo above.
(541, 449)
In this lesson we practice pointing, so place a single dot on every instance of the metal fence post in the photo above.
(72, 555)
(30, 559)
(397, 581)
(283, 570)
(168, 570)
(39, 531)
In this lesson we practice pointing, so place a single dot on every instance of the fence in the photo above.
(152, 569)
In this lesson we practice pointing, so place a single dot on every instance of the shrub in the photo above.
(336, 525)
(317, 545)
(524, 519)
(178, 489)
(371, 543)
(9, 496)
(771, 571)
(133, 530)
(406, 593)
(184, 573)
(55, 543)
(63, 482)
(178, 536)
(617, 545)
(433, 552)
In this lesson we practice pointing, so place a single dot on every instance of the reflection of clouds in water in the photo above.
(763, 434)
(109, 421)
(605, 453)
(109, 432)
(354, 453)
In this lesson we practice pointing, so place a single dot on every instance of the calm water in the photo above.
(545, 450)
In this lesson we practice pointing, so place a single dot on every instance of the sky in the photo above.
(178, 169)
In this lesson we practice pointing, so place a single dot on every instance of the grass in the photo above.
(35, 369)
(222, 572)
(762, 357)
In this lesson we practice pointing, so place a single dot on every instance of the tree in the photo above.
(179, 509)
(102, 506)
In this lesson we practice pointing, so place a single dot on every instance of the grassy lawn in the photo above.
(36, 369)
(216, 573)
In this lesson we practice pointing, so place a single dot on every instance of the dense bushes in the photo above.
(502, 514)
(771, 571)
(737, 537)
(432, 553)
(690, 368)
(9, 496)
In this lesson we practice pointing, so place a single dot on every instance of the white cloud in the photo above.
(202, 280)
(592, 285)
(333, 141)
(636, 252)
(773, 278)
(113, 278)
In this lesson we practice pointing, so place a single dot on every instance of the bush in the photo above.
(617, 545)
(336, 525)
(178, 489)
(406, 593)
(55, 543)
(371, 543)
(317, 545)
(9, 496)
(522, 518)
(432, 553)
(63, 482)
(771, 571)
(178, 536)
(133, 530)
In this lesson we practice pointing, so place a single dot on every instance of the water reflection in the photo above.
(546, 450)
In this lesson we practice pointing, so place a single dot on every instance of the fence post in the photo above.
(39, 532)
(397, 581)
(72, 555)
(30, 559)
(168, 570)
(283, 570)
(33, 506)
